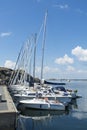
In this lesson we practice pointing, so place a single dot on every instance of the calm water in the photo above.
(74, 119)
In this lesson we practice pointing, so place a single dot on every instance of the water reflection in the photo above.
(41, 113)
(74, 104)
(36, 119)
(44, 120)
(81, 111)
(40, 119)
(73, 119)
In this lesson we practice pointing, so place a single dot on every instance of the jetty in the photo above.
(8, 111)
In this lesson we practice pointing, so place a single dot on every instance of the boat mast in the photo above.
(43, 45)
(34, 63)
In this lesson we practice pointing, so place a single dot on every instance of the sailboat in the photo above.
(28, 94)
(19, 79)
(41, 101)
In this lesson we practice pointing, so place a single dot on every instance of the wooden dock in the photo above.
(8, 111)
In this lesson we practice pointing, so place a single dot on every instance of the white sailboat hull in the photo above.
(61, 98)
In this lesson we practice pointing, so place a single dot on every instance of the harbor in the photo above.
(12, 118)
(75, 118)
(8, 111)
(43, 65)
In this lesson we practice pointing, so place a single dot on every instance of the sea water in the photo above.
(73, 119)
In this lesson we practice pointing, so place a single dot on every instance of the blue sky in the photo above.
(66, 35)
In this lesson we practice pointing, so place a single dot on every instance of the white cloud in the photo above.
(70, 68)
(38, 70)
(64, 60)
(80, 53)
(60, 6)
(65, 72)
(9, 64)
(82, 71)
(79, 11)
(82, 12)
(47, 69)
(50, 70)
(5, 34)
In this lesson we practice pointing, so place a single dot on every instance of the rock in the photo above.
(5, 75)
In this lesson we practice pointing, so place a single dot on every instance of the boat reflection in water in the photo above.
(37, 119)
(74, 104)
(42, 119)
(42, 113)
